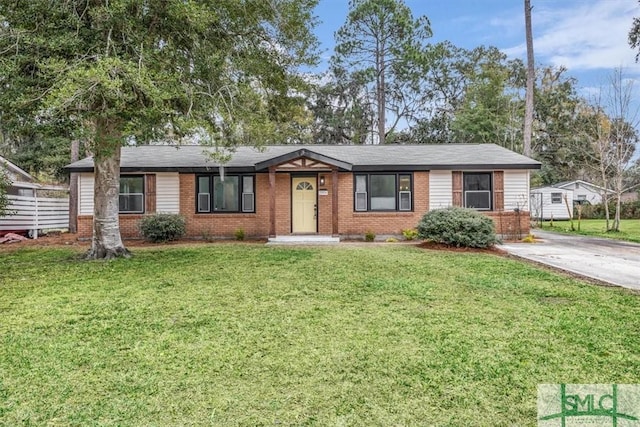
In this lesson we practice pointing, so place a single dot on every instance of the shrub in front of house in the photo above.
(239, 234)
(162, 227)
(458, 227)
(410, 233)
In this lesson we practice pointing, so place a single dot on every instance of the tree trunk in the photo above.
(73, 189)
(528, 103)
(618, 189)
(380, 92)
(616, 217)
(607, 215)
(106, 243)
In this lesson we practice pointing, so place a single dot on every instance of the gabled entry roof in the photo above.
(193, 158)
(306, 153)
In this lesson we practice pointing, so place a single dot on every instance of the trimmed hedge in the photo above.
(162, 227)
(458, 227)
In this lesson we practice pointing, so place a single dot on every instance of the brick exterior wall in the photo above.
(211, 225)
(128, 226)
(510, 224)
(350, 223)
(354, 223)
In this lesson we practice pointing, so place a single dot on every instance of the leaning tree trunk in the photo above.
(106, 243)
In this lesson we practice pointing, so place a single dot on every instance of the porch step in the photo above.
(303, 240)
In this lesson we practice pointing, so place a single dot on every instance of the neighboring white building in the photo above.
(22, 184)
(29, 210)
(551, 203)
(583, 190)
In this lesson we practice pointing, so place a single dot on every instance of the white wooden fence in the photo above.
(36, 213)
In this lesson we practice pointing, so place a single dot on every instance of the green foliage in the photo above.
(4, 185)
(155, 68)
(385, 47)
(459, 80)
(162, 227)
(239, 234)
(40, 154)
(491, 110)
(369, 236)
(560, 126)
(341, 108)
(122, 71)
(634, 36)
(410, 233)
(458, 227)
(628, 210)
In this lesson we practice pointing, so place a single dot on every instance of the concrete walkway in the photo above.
(610, 261)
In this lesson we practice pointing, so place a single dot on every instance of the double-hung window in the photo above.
(234, 193)
(556, 198)
(383, 192)
(131, 197)
(478, 192)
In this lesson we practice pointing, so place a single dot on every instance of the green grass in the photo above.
(629, 228)
(251, 335)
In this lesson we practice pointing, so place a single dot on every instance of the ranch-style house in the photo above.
(328, 190)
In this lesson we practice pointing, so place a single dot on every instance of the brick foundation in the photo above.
(511, 225)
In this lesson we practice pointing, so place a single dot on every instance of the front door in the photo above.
(303, 205)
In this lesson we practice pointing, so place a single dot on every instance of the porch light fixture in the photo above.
(321, 180)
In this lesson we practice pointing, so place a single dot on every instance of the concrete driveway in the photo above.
(609, 261)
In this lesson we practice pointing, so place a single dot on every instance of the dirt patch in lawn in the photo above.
(71, 240)
(442, 247)
(53, 239)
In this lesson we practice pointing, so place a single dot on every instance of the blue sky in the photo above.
(588, 37)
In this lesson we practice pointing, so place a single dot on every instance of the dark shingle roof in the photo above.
(192, 158)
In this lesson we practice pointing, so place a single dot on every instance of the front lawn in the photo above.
(241, 334)
(629, 228)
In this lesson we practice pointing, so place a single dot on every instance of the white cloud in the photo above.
(583, 36)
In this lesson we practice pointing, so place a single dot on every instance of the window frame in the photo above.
(368, 193)
(556, 198)
(143, 194)
(199, 193)
(240, 196)
(491, 190)
(356, 193)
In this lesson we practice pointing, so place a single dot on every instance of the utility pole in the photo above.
(528, 102)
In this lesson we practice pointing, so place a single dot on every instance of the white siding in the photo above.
(168, 192)
(542, 206)
(85, 194)
(440, 189)
(594, 197)
(516, 190)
